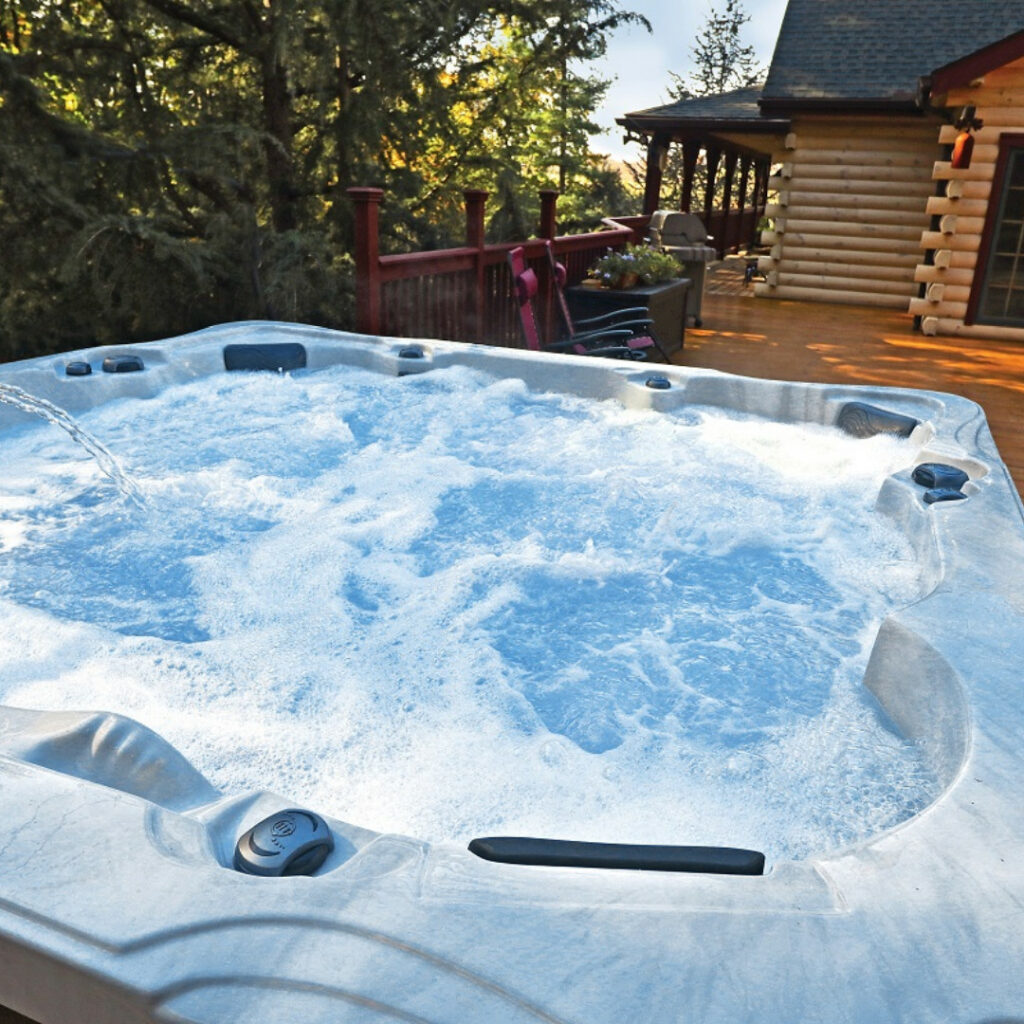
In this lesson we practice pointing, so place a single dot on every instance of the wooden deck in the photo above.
(806, 341)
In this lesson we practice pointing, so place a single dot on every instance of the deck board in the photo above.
(837, 344)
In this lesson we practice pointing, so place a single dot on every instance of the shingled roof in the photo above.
(862, 52)
(737, 109)
(740, 104)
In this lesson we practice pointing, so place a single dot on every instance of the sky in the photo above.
(640, 62)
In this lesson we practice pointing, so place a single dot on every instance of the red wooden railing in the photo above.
(465, 294)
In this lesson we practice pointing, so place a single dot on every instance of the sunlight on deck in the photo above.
(805, 341)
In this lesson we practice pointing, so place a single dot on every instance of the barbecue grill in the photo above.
(685, 237)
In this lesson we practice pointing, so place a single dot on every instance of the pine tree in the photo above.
(166, 164)
(722, 63)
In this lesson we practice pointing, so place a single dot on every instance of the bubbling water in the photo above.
(449, 606)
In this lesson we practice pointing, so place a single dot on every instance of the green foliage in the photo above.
(640, 262)
(167, 164)
(513, 116)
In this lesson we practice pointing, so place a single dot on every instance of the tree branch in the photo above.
(205, 23)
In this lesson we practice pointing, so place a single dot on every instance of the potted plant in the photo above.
(636, 264)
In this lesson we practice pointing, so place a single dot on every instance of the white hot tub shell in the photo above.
(118, 901)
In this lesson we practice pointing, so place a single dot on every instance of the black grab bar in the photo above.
(564, 853)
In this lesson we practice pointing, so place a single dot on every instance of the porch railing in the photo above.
(733, 230)
(465, 293)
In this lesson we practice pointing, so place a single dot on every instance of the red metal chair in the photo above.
(611, 343)
(634, 320)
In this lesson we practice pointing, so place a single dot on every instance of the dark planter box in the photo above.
(665, 305)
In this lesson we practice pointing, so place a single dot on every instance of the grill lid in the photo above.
(670, 227)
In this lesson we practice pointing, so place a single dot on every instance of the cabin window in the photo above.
(1001, 298)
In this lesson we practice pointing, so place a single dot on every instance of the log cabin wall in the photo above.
(849, 207)
(947, 267)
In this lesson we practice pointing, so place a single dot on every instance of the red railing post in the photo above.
(476, 199)
(548, 202)
(367, 256)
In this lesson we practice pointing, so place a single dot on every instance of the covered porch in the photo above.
(720, 150)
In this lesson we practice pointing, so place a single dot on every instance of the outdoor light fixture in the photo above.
(963, 147)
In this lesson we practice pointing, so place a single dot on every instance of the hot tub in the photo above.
(120, 897)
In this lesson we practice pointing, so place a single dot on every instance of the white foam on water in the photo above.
(448, 606)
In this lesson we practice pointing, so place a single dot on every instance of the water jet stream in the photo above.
(105, 459)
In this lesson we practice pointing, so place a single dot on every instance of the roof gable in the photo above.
(974, 65)
(876, 51)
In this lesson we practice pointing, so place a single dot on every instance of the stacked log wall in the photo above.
(947, 267)
(848, 204)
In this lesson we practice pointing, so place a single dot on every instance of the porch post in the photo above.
(743, 238)
(764, 172)
(367, 256)
(727, 223)
(476, 199)
(657, 147)
(691, 152)
(713, 156)
(745, 164)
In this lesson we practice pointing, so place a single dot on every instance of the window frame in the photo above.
(1009, 142)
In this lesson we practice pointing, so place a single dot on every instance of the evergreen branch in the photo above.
(73, 138)
(47, 197)
(181, 12)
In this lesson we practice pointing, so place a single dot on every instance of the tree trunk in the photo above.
(277, 118)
